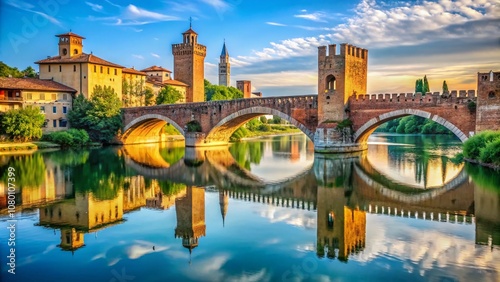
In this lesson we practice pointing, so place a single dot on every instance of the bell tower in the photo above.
(189, 65)
(224, 67)
(70, 44)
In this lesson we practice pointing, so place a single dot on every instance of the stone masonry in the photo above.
(488, 101)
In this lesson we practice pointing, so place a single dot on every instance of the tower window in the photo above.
(74, 67)
(60, 68)
(331, 83)
(64, 51)
(75, 51)
(49, 68)
(491, 95)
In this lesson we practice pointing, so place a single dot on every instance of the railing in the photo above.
(4, 98)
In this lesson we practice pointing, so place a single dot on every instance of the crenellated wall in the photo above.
(449, 109)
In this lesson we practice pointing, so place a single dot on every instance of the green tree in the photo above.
(218, 92)
(149, 96)
(6, 71)
(126, 93)
(425, 88)
(419, 86)
(263, 119)
(100, 116)
(29, 72)
(168, 95)
(23, 124)
(445, 86)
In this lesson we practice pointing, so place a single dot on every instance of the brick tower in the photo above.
(189, 62)
(488, 101)
(224, 67)
(339, 76)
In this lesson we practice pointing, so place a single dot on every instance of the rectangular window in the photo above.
(49, 68)
(108, 70)
(42, 109)
(116, 71)
(54, 109)
(62, 123)
(29, 96)
(65, 96)
(95, 68)
(60, 68)
(65, 109)
(74, 67)
(54, 96)
(101, 69)
(54, 123)
(42, 96)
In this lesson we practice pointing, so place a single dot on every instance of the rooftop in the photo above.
(81, 58)
(133, 71)
(33, 84)
(70, 34)
(155, 68)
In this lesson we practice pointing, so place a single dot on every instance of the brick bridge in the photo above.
(219, 119)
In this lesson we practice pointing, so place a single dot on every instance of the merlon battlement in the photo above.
(345, 50)
(436, 97)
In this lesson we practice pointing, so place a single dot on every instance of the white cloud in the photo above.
(155, 55)
(316, 16)
(218, 5)
(134, 15)
(95, 7)
(137, 56)
(276, 24)
(30, 8)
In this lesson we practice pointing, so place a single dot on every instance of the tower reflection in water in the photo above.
(345, 192)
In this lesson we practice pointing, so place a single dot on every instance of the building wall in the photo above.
(224, 72)
(350, 69)
(162, 74)
(488, 101)
(136, 81)
(245, 86)
(85, 77)
(47, 101)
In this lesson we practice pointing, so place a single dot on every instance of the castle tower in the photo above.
(223, 202)
(190, 211)
(488, 101)
(70, 44)
(71, 239)
(245, 86)
(340, 76)
(189, 63)
(224, 67)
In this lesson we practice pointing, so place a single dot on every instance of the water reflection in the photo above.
(352, 210)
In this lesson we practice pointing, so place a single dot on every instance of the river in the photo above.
(261, 210)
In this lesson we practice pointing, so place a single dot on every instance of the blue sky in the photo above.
(272, 43)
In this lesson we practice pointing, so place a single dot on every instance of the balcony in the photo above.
(10, 99)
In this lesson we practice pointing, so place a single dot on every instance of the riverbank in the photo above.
(269, 134)
(26, 146)
(492, 166)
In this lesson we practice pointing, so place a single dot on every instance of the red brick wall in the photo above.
(488, 101)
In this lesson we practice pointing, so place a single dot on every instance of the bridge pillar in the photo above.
(334, 139)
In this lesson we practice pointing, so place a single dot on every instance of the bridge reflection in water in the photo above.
(341, 190)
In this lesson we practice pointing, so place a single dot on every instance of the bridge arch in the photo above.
(361, 135)
(228, 125)
(147, 128)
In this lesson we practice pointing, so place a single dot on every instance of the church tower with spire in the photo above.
(224, 67)
(189, 65)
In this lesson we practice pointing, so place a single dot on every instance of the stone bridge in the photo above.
(367, 112)
(212, 123)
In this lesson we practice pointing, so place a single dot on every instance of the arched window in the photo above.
(491, 95)
(331, 83)
(75, 51)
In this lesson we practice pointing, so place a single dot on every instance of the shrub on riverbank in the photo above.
(483, 147)
(69, 138)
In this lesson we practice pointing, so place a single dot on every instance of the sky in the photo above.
(272, 43)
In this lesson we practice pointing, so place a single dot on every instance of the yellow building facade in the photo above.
(79, 70)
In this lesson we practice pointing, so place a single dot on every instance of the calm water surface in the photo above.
(262, 210)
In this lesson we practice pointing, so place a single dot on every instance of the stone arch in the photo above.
(228, 125)
(361, 135)
(147, 128)
(331, 82)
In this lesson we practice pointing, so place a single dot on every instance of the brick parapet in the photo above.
(453, 97)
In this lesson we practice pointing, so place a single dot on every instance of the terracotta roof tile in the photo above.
(133, 71)
(70, 34)
(155, 68)
(33, 84)
(175, 82)
(82, 58)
